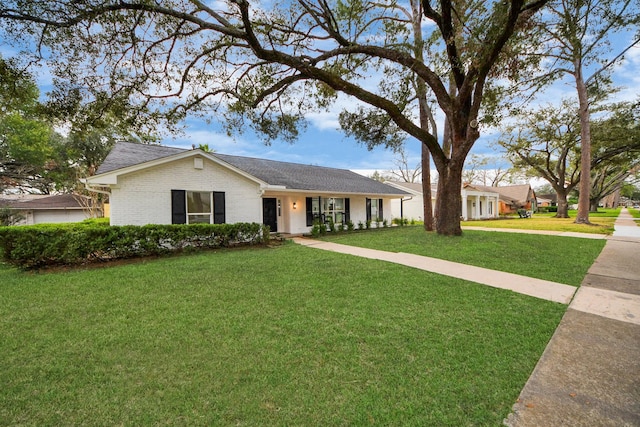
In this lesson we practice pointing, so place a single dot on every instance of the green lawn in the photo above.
(281, 336)
(602, 222)
(559, 259)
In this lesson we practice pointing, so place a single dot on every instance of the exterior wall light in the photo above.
(295, 205)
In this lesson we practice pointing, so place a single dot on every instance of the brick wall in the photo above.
(144, 197)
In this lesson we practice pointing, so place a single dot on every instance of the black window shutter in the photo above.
(309, 208)
(380, 214)
(178, 207)
(219, 208)
(368, 209)
(347, 208)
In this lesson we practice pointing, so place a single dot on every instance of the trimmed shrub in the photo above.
(68, 244)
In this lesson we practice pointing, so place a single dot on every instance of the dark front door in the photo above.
(270, 214)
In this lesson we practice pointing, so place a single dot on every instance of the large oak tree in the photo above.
(547, 143)
(578, 39)
(267, 65)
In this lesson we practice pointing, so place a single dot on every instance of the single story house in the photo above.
(476, 203)
(39, 208)
(479, 202)
(154, 184)
(514, 197)
(545, 200)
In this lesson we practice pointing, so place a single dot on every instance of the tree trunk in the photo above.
(585, 149)
(563, 206)
(426, 189)
(593, 205)
(425, 116)
(449, 200)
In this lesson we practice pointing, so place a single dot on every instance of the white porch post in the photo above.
(464, 207)
(476, 211)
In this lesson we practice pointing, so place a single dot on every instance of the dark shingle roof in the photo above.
(126, 154)
(58, 201)
(510, 193)
(292, 176)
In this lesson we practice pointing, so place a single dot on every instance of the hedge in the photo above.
(67, 244)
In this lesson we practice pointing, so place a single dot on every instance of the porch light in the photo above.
(295, 205)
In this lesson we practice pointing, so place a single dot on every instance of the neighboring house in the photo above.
(514, 197)
(39, 209)
(479, 202)
(546, 200)
(476, 203)
(612, 200)
(411, 206)
(153, 184)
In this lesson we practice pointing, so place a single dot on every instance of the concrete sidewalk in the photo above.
(589, 374)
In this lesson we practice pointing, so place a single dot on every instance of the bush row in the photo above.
(67, 244)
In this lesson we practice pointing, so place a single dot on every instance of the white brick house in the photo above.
(153, 184)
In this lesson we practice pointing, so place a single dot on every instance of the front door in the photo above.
(270, 213)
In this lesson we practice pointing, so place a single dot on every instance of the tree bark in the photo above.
(425, 115)
(449, 200)
(426, 190)
(585, 148)
(563, 206)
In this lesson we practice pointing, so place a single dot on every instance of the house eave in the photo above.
(282, 189)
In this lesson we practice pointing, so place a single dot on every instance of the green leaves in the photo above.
(71, 244)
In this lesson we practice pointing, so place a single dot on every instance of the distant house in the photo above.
(153, 184)
(514, 197)
(546, 200)
(39, 209)
(479, 202)
(411, 206)
(476, 203)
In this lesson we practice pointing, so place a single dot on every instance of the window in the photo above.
(199, 207)
(374, 210)
(333, 208)
(193, 207)
(320, 209)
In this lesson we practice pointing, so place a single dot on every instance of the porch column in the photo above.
(476, 213)
(464, 207)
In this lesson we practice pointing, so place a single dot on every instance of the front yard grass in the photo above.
(602, 222)
(558, 259)
(281, 336)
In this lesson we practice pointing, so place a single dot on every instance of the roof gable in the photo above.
(414, 188)
(290, 176)
(511, 193)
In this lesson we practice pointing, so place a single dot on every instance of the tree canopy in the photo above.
(546, 142)
(576, 38)
(266, 67)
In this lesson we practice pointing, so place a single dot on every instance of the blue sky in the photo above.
(322, 143)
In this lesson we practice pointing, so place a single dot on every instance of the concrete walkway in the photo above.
(589, 374)
(544, 289)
